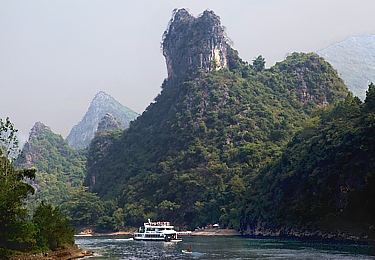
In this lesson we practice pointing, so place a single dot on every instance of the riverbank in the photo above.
(215, 232)
(339, 232)
(88, 232)
(94, 234)
(203, 232)
(73, 252)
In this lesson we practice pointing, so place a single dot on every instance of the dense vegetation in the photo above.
(194, 153)
(86, 209)
(326, 174)
(252, 148)
(61, 169)
(47, 230)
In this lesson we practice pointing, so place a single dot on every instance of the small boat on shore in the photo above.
(156, 231)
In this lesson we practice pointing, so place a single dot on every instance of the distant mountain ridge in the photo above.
(102, 104)
(354, 59)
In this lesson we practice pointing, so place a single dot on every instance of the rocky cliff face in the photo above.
(103, 138)
(81, 134)
(191, 43)
(37, 132)
(108, 123)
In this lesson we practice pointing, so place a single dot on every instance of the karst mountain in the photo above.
(218, 122)
(102, 104)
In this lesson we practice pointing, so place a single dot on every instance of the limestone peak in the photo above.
(191, 43)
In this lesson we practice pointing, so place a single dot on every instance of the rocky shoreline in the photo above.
(327, 234)
(73, 252)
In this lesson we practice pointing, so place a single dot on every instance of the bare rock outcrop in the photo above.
(191, 43)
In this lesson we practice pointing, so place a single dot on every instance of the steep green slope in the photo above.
(60, 168)
(325, 178)
(20, 232)
(192, 155)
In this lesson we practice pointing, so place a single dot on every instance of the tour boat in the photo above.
(156, 231)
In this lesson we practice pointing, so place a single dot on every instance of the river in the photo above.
(220, 247)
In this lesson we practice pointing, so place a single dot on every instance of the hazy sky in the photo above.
(56, 55)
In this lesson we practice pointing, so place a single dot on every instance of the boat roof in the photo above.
(158, 224)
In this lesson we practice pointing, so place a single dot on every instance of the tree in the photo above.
(8, 140)
(370, 98)
(259, 63)
(53, 229)
(15, 231)
(48, 229)
(83, 208)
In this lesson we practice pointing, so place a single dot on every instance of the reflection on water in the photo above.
(120, 247)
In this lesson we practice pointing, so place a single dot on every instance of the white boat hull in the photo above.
(154, 237)
(159, 240)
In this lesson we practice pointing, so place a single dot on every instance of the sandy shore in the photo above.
(93, 234)
(215, 232)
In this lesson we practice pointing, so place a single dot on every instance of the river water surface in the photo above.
(223, 247)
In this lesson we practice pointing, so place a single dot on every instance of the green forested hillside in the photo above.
(325, 177)
(193, 154)
(20, 231)
(279, 151)
(60, 168)
(60, 175)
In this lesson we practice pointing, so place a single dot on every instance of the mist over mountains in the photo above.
(102, 104)
(354, 58)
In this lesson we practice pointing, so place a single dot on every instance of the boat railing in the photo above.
(159, 223)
